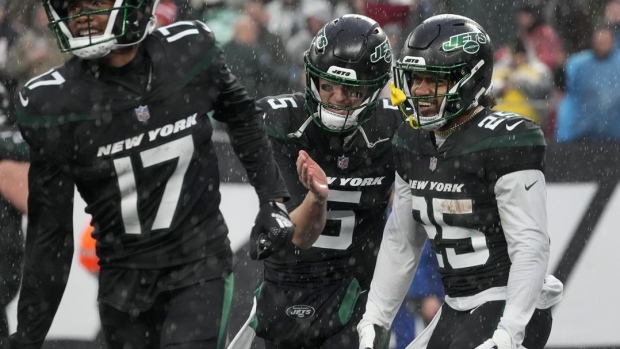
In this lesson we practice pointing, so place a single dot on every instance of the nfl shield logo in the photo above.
(142, 113)
(343, 162)
(433, 165)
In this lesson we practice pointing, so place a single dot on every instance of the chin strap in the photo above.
(368, 143)
(398, 97)
(301, 129)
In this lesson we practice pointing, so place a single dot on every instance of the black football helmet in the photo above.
(352, 51)
(449, 47)
(129, 23)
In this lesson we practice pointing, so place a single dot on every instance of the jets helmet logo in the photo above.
(469, 42)
(321, 40)
(382, 51)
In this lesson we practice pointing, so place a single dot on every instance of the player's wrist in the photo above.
(317, 198)
(502, 338)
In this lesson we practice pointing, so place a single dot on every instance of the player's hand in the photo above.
(371, 335)
(312, 176)
(271, 231)
(501, 340)
(19, 341)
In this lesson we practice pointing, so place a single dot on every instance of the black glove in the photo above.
(271, 231)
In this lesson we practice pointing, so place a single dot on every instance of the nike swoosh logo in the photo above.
(472, 311)
(23, 100)
(512, 127)
(528, 187)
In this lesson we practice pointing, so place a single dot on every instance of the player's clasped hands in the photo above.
(271, 231)
(312, 176)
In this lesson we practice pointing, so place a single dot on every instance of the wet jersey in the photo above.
(360, 178)
(453, 193)
(12, 147)
(136, 141)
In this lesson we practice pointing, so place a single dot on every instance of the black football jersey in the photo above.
(136, 141)
(452, 190)
(12, 147)
(360, 180)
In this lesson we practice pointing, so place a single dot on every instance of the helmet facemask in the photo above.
(451, 105)
(128, 24)
(354, 53)
(449, 47)
(324, 113)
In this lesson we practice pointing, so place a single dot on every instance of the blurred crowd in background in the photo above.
(556, 61)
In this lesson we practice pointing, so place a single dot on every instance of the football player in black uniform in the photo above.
(126, 122)
(474, 178)
(13, 204)
(333, 146)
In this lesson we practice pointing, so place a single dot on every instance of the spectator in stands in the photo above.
(540, 39)
(274, 44)
(35, 51)
(590, 110)
(612, 18)
(166, 12)
(284, 16)
(573, 23)
(342, 7)
(7, 34)
(219, 15)
(522, 84)
(251, 62)
(316, 17)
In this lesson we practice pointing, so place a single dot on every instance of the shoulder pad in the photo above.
(506, 122)
(182, 49)
(283, 114)
(503, 129)
(46, 99)
(183, 34)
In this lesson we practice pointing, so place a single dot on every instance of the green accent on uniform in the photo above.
(496, 321)
(532, 137)
(384, 339)
(399, 143)
(229, 287)
(276, 132)
(254, 322)
(46, 121)
(202, 65)
(10, 147)
(345, 311)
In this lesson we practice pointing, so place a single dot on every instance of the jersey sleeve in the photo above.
(398, 259)
(285, 150)
(521, 200)
(518, 149)
(49, 239)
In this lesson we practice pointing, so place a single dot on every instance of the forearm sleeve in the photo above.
(522, 201)
(397, 261)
